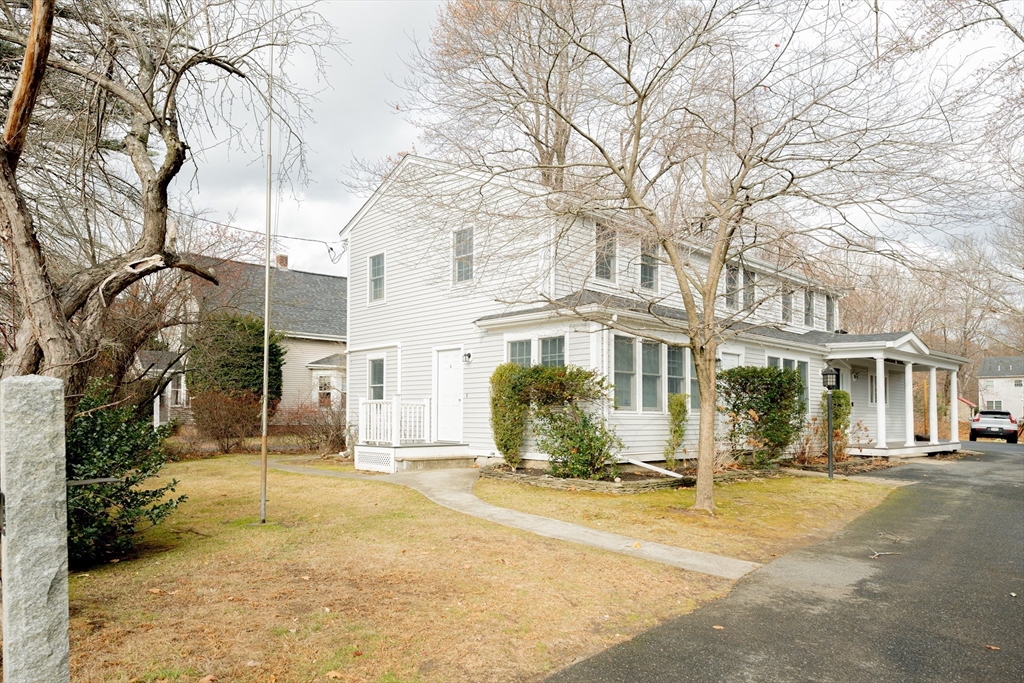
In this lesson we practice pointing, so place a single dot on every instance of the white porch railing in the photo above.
(394, 421)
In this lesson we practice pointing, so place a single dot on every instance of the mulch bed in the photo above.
(629, 482)
(851, 466)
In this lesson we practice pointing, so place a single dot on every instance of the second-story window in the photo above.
(732, 285)
(604, 268)
(463, 255)
(808, 308)
(377, 277)
(552, 351)
(649, 265)
(787, 306)
(830, 313)
(749, 279)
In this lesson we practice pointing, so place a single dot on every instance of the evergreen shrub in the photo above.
(678, 413)
(765, 409)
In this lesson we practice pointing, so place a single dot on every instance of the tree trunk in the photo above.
(704, 347)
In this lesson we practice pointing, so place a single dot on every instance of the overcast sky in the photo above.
(352, 119)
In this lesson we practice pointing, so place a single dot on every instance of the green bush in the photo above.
(112, 441)
(765, 407)
(519, 393)
(228, 356)
(578, 443)
(678, 412)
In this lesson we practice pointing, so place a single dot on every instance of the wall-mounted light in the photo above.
(467, 357)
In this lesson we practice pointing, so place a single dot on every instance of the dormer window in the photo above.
(604, 267)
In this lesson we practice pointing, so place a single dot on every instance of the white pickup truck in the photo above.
(994, 424)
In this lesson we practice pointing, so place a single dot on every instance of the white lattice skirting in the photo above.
(375, 459)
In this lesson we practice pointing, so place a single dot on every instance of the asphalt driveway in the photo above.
(938, 608)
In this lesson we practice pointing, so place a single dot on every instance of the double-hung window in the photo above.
(324, 391)
(732, 285)
(802, 368)
(787, 306)
(808, 308)
(649, 265)
(377, 277)
(830, 313)
(376, 382)
(552, 351)
(650, 367)
(993, 405)
(749, 291)
(520, 353)
(462, 254)
(625, 371)
(1018, 383)
(676, 370)
(873, 390)
(604, 267)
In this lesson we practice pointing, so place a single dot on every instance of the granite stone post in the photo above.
(33, 542)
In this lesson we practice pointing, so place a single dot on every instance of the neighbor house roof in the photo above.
(1002, 366)
(159, 362)
(335, 360)
(301, 304)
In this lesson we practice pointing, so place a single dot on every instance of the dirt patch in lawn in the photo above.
(365, 579)
(755, 520)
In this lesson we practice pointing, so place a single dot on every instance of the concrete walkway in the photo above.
(454, 489)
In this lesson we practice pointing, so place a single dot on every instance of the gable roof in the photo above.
(158, 362)
(1002, 366)
(301, 304)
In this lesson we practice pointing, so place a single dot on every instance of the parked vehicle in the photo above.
(995, 424)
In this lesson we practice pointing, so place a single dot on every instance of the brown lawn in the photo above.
(755, 520)
(365, 579)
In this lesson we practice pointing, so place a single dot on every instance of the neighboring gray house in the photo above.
(1001, 384)
(309, 309)
(432, 312)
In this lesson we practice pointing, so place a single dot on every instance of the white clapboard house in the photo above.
(437, 300)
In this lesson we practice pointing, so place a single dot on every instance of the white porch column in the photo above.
(933, 408)
(880, 401)
(954, 408)
(908, 392)
(156, 411)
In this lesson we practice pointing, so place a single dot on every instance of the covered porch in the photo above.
(879, 375)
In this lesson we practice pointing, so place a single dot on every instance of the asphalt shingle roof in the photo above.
(300, 302)
(335, 360)
(1002, 366)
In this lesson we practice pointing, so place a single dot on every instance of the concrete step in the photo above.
(409, 463)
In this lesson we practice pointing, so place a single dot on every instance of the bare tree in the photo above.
(165, 73)
(712, 130)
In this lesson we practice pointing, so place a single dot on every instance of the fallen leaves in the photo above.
(718, 628)
(333, 674)
(207, 679)
(155, 591)
(991, 647)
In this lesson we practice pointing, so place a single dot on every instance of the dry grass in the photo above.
(363, 578)
(755, 520)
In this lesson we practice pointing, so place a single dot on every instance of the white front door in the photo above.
(449, 395)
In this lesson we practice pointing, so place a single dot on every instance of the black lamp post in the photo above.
(830, 378)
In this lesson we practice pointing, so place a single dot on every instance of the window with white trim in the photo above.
(676, 369)
(694, 384)
(787, 306)
(732, 285)
(376, 379)
(1018, 383)
(625, 371)
(649, 265)
(552, 351)
(324, 391)
(830, 313)
(749, 288)
(604, 257)
(462, 255)
(873, 389)
(650, 369)
(993, 405)
(800, 366)
(990, 384)
(520, 352)
(808, 308)
(376, 292)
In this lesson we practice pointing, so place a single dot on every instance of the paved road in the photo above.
(830, 613)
